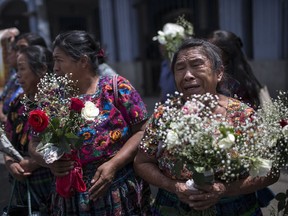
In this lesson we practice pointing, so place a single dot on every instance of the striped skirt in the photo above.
(244, 205)
(40, 183)
(128, 195)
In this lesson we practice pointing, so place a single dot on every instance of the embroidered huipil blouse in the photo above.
(106, 135)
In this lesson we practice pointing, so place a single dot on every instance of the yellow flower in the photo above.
(19, 128)
(115, 135)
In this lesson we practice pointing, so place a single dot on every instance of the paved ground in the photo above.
(280, 186)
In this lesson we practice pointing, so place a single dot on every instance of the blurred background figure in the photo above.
(12, 89)
(172, 35)
(103, 67)
(30, 39)
(241, 80)
(166, 80)
(7, 64)
(7, 36)
(33, 63)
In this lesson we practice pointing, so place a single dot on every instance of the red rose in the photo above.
(283, 122)
(38, 120)
(76, 104)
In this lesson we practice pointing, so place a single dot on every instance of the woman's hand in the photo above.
(28, 164)
(102, 179)
(210, 196)
(62, 166)
(16, 170)
(184, 193)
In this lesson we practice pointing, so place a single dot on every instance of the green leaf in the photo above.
(280, 196)
(55, 122)
(201, 179)
(46, 137)
(65, 145)
(281, 205)
(71, 136)
(78, 143)
(41, 146)
(286, 209)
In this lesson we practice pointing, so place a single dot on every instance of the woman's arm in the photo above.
(107, 171)
(154, 176)
(128, 151)
(249, 185)
(147, 168)
(15, 168)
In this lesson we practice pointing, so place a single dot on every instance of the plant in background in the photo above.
(173, 34)
(282, 204)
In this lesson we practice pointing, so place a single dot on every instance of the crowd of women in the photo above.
(118, 175)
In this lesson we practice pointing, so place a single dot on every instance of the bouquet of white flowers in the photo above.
(209, 146)
(173, 34)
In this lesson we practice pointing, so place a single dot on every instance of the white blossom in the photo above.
(90, 111)
(171, 30)
(227, 142)
(260, 167)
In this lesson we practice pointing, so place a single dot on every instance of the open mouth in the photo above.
(191, 87)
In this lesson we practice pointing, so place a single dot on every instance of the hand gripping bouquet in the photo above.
(208, 145)
(57, 120)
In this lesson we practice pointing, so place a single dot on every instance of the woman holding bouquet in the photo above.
(111, 134)
(32, 62)
(198, 70)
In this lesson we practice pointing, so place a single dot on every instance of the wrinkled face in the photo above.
(65, 64)
(194, 73)
(26, 78)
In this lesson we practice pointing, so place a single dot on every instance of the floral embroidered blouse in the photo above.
(105, 136)
(236, 112)
(11, 90)
(17, 127)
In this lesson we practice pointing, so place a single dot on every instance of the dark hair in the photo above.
(39, 58)
(236, 64)
(101, 54)
(77, 44)
(212, 52)
(33, 39)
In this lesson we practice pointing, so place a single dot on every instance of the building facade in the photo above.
(125, 29)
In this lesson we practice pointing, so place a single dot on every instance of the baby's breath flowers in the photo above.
(273, 121)
(212, 146)
(205, 141)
